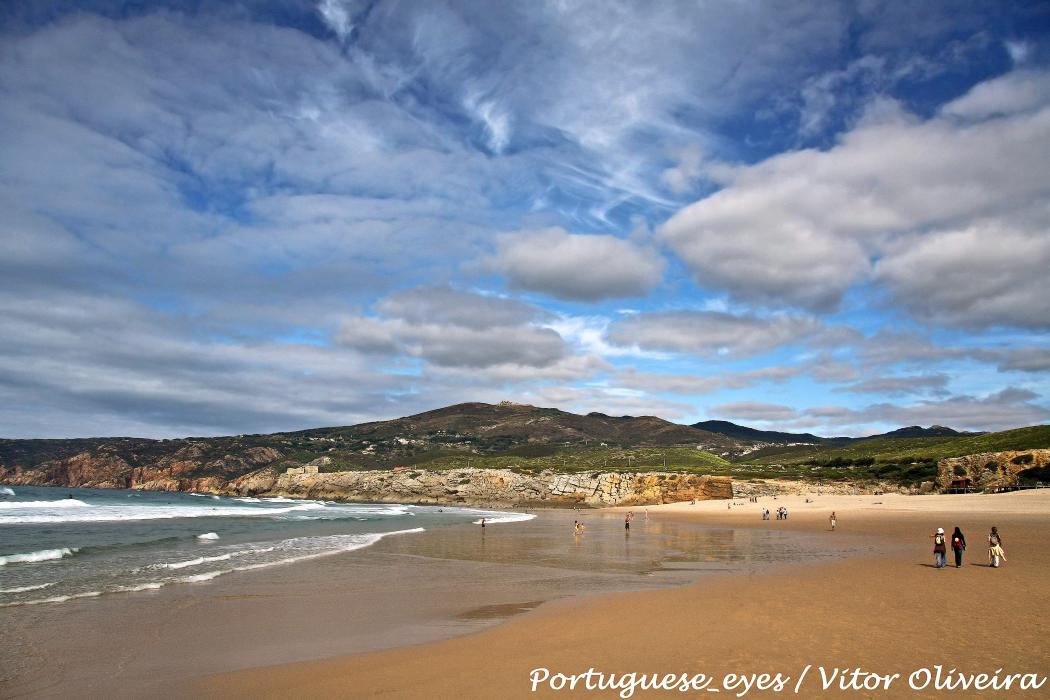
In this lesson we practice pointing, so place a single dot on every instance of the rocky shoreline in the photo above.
(262, 471)
(481, 487)
(478, 487)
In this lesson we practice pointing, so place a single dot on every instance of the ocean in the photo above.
(61, 544)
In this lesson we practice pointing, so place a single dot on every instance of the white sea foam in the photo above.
(150, 586)
(248, 499)
(41, 555)
(139, 511)
(497, 518)
(312, 548)
(25, 589)
(208, 536)
(55, 599)
(30, 505)
(336, 544)
(197, 578)
(4, 491)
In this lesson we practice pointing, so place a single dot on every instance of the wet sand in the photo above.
(408, 589)
(884, 609)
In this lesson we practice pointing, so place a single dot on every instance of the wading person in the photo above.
(958, 546)
(940, 548)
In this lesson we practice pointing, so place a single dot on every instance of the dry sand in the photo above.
(888, 612)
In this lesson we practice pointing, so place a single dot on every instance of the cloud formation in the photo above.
(577, 267)
(377, 208)
(708, 333)
(804, 227)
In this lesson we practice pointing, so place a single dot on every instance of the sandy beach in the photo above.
(883, 608)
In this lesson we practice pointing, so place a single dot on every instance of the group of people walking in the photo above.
(957, 542)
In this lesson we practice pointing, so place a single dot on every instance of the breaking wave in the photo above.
(41, 555)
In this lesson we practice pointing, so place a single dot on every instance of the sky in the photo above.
(255, 216)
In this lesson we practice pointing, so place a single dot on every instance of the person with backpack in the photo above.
(958, 546)
(995, 548)
(940, 548)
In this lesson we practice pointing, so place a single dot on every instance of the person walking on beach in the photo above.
(958, 546)
(627, 520)
(833, 520)
(995, 548)
(940, 549)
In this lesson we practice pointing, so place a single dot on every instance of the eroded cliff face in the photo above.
(493, 487)
(180, 472)
(483, 487)
(989, 470)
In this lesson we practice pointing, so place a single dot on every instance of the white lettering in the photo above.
(920, 679)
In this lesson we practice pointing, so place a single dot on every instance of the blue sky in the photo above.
(254, 216)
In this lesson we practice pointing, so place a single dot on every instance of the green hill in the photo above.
(905, 460)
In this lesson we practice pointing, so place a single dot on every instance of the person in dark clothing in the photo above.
(958, 546)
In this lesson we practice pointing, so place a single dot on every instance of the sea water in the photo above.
(60, 544)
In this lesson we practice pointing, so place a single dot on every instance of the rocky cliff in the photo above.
(990, 470)
(495, 487)
(488, 487)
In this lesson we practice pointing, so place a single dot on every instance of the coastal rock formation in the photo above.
(188, 469)
(493, 487)
(767, 488)
(484, 487)
(989, 471)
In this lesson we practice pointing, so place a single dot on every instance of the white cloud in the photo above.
(452, 328)
(577, 267)
(1001, 410)
(802, 228)
(754, 411)
(980, 276)
(690, 384)
(686, 172)
(337, 15)
(709, 333)
(899, 385)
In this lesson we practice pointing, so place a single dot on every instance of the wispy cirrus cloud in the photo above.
(383, 207)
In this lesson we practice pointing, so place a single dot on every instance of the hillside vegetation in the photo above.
(524, 438)
(905, 460)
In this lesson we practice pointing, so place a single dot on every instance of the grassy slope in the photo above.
(589, 459)
(912, 449)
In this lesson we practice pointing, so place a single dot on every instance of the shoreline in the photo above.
(773, 620)
(412, 589)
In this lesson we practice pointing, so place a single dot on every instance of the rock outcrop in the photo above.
(784, 487)
(988, 471)
(483, 487)
(490, 487)
(182, 471)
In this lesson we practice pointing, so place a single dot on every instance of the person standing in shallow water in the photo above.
(940, 548)
(958, 546)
